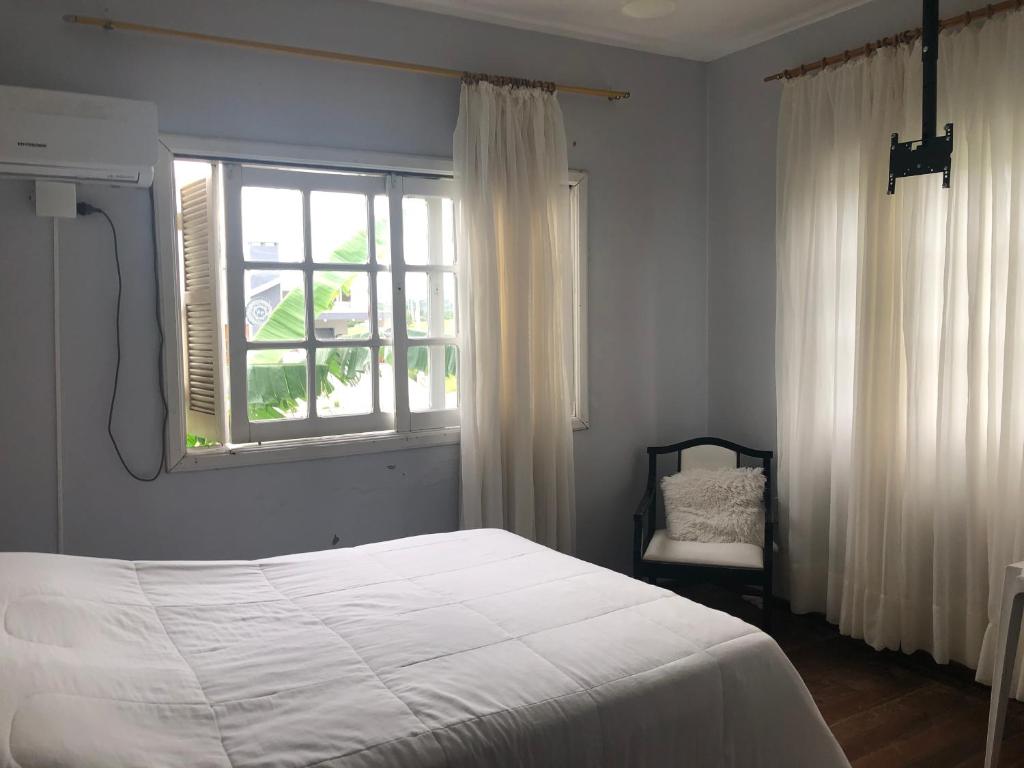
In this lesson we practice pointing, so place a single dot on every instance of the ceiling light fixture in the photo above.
(649, 9)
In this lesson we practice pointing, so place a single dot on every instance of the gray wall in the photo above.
(743, 116)
(647, 271)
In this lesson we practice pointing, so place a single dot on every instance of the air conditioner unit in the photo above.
(76, 137)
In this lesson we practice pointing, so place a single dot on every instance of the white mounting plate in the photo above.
(57, 199)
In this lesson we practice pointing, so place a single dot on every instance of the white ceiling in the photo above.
(696, 29)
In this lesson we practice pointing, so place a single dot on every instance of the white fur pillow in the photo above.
(715, 505)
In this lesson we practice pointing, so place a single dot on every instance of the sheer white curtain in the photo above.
(900, 347)
(511, 175)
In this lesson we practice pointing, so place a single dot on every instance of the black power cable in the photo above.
(85, 209)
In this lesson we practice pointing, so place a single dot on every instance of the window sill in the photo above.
(320, 448)
(311, 449)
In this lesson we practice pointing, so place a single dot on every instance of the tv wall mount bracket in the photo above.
(931, 153)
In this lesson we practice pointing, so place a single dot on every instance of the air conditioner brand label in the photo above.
(32, 144)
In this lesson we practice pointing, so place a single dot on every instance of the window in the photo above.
(286, 281)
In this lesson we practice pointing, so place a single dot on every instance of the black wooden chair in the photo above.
(656, 556)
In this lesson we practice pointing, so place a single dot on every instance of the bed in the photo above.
(473, 648)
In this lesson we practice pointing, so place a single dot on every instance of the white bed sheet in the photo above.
(474, 648)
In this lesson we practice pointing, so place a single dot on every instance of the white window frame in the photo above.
(435, 419)
(236, 176)
(411, 430)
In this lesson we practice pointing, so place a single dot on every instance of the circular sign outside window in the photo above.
(257, 312)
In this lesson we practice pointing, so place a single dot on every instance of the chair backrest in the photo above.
(707, 457)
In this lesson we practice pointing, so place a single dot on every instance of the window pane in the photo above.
(343, 381)
(447, 231)
(448, 305)
(417, 305)
(276, 384)
(275, 305)
(433, 377)
(430, 307)
(382, 228)
(272, 224)
(387, 379)
(428, 230)
(385, 312)
(338, 221)
(341, 303)
(415, 227)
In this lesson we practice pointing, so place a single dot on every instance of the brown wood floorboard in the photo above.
(887, 709)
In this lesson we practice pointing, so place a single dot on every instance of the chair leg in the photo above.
(1002, 675)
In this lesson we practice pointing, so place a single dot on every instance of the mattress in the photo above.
(474, 648)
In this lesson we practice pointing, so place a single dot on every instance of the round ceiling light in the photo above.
(649, 9)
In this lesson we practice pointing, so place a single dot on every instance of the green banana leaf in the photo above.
(419, 357)
(274, 388)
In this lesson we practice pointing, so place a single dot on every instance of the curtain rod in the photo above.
(907, 36)
(423, 69)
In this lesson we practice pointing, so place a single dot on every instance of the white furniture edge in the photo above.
(1006, 652)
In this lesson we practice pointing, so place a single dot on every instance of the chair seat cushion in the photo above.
(662, 549)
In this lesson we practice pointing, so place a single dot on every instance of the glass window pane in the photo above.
(382, 228)
(387, 379)
(417, 305)
(429, 230)
(433, 377)
(276, 384)
(451, 377)
(419, 378)
(343, 381)
(447, 231)
(385, 311)
(338, 221)
(341, 305)
(415, 228)
(430, 304)
(272, 224)
(449, 308)
(275, 305)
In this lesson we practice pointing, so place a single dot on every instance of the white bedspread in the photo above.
(475, 648)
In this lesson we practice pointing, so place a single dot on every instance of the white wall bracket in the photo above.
(56, 199)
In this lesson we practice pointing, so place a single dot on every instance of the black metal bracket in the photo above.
(918, 158)
(930, 153)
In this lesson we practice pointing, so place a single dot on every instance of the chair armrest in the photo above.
(644, 505)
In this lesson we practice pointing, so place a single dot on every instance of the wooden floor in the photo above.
(886, 709)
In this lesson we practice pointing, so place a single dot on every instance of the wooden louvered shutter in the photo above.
(200, 237)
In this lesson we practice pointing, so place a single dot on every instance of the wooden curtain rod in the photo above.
(907, 36)
(127, 26)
